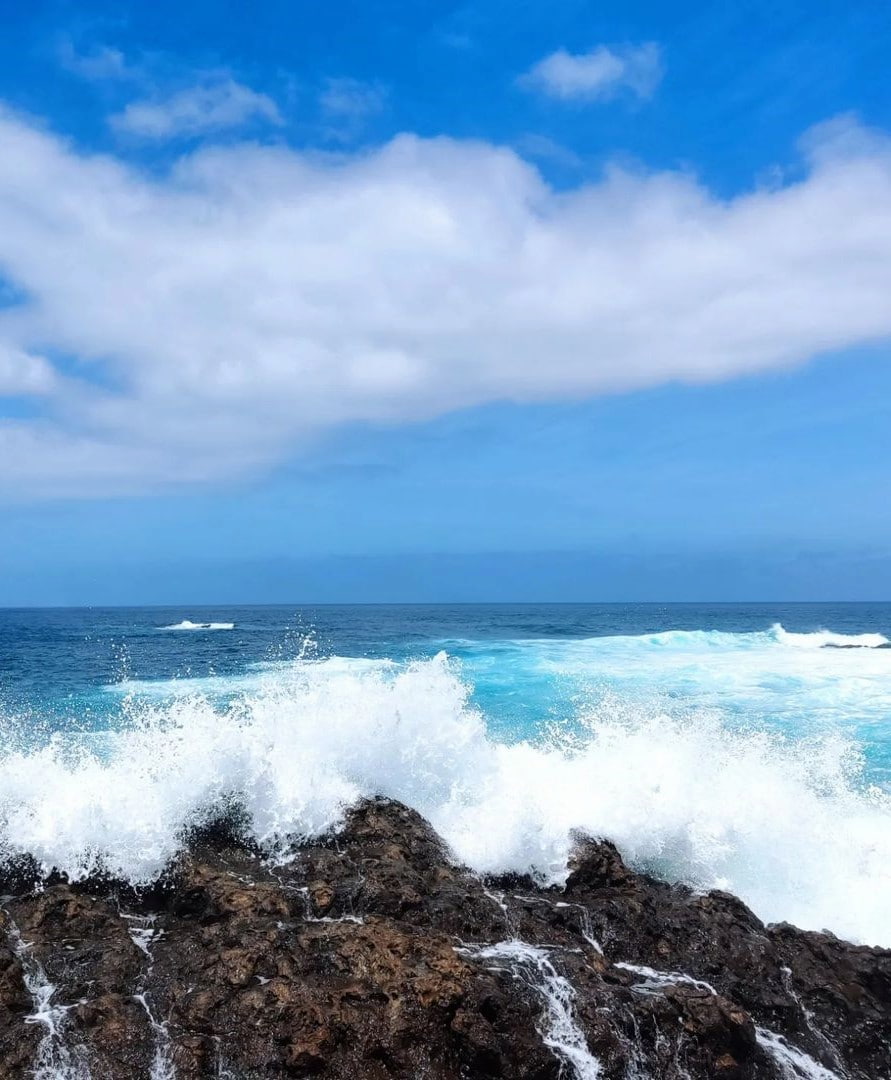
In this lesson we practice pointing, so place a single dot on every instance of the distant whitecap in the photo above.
(187, 624)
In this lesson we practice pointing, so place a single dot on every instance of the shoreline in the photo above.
(372, 954)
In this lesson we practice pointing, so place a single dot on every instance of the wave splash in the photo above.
(787, 825)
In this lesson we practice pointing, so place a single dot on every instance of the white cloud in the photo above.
(351, 98)
(23, 374)
(221, 314)
(213, 100)
(347, 105)
(542, 148)
(214, 104)
(597, 75)
(102, 63)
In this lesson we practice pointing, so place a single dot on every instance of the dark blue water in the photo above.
(58, 661)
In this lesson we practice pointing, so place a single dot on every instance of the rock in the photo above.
(371, 954)
(18, 1040)
(82, 947)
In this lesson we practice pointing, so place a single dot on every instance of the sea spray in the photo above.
(788, 824)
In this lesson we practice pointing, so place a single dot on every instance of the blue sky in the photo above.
(437, 301)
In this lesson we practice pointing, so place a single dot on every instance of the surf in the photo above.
(792, 825)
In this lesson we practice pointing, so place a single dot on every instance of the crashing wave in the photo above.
(787, 825)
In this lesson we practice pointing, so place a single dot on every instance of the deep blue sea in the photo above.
(746, 747)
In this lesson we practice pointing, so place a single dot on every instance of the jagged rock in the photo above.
(18, 1040)
(83, 948)
(371, 954)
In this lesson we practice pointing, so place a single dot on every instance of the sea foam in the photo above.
(187, 624)
(787, 824)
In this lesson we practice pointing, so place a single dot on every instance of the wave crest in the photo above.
(187, 624)
(819, 639)
(786, 825)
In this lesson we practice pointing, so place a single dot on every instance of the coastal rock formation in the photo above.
(371, 954)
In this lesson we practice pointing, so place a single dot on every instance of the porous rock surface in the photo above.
(372, 954)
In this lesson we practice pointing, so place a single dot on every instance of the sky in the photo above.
(436, 301)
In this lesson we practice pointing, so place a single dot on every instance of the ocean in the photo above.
(741, 747)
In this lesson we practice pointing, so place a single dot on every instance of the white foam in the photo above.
(794, 1064)
(785, 824)
(819, 639)
(695, 640)
(653, 981)
(559, 1030)
(187, 624)
(809, 1020)
(162, 1067)
(773, 676)
(55, 1060)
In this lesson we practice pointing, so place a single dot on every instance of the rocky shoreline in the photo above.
(373, 955)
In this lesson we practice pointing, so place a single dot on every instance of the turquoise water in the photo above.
(740, 746)
(530, 667)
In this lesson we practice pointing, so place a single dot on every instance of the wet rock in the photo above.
(18, 1040)
(371, 954)
(79, 947)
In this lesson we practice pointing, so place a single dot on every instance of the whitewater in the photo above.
(755, 762)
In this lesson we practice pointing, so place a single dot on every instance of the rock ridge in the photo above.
(372, 954)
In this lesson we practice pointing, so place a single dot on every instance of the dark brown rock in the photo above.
(371, 954)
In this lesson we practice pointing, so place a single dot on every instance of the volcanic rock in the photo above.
(371, 953)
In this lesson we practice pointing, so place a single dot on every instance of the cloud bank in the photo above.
(598, 75)
(197, 326)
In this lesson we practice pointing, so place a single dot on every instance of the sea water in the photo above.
(742, 747)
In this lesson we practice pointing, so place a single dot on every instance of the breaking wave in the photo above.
(788, 823)
(820, 639)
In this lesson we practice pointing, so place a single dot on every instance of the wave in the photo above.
(820, 639)
(789, 825)
(777, 635)
(768, 678)
(187, 624)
